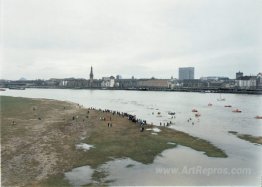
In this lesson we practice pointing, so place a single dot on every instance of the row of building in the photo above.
(185, 81)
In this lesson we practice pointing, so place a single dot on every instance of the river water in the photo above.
(244, 159)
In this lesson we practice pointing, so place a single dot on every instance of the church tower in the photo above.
(91, 77)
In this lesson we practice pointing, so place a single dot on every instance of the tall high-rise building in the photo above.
(186, 73)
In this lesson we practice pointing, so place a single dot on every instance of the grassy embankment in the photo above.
(40, 146)
(247, 137)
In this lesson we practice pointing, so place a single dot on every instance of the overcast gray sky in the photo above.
(63, 38)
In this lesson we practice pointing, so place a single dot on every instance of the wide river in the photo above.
(243, 165)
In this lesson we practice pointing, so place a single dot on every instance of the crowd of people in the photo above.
(130, 117)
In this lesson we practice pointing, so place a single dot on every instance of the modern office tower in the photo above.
(186, 73)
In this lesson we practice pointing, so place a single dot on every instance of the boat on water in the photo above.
(194, 110)
(16, 88)
(258, 117)
(171, 113)
(228, 106)
(2, 89)
(221, 98)
(237, 111)
(197, 115)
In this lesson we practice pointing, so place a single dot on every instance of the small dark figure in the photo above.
(64, 107)
(142, 129)
(73, 118)
(13, 123)
(160, 124)
(39, 118)
(108, 125)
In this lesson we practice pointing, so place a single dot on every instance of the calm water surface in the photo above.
(213, 125)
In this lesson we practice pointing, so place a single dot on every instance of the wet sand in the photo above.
(39, 139)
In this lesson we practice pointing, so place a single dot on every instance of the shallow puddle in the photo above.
(180, 166)
(80, 176)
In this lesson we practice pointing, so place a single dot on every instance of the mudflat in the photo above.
(253, 139)
(39, 139)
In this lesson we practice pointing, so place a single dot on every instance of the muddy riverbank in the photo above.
(40, 141)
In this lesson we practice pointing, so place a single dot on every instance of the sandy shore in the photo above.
(42, 139)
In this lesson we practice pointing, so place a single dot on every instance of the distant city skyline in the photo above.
(145, 38)
(118, 76)
(121, 76)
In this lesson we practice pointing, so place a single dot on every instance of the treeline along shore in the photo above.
(40, 138)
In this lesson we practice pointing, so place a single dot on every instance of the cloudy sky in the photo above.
(63, 38)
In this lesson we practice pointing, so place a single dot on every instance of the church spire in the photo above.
(91, 76)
